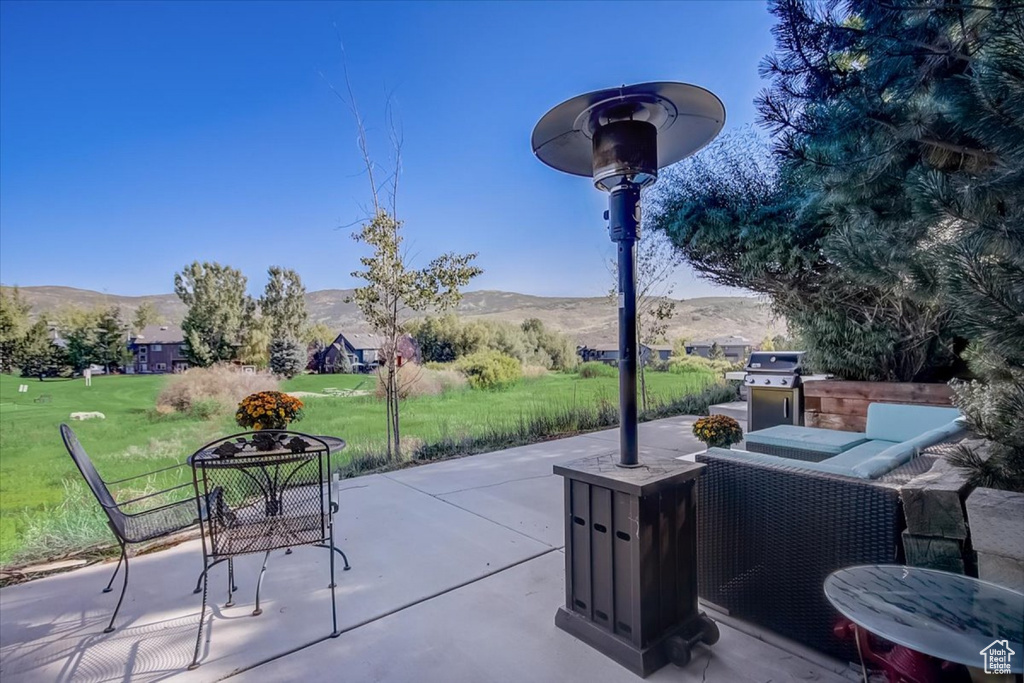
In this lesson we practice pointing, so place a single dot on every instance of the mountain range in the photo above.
(590, 320)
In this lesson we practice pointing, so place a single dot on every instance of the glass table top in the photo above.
(945, 615)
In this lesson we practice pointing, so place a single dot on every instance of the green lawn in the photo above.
(37, 476)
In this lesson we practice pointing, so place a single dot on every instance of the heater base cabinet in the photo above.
(674, 647)
(631, 561)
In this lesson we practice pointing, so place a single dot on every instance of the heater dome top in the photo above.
(687, 118)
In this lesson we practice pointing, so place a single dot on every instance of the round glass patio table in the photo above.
(948, 616)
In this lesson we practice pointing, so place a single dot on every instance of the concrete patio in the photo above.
(456, 575)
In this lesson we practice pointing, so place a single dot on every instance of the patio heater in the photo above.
(630, 527)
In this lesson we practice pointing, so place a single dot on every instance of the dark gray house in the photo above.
(363, 351)
(736, 349)
(157, 349)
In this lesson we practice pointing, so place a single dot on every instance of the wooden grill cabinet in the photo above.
(631, 561)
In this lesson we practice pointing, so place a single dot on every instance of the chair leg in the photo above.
(116, 570)
(231, 583)
(124, 587)
(334, 603)
(259, 584)
(343, 556)
(202, 618)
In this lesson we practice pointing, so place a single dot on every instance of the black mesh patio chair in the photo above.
(136, 525)
(265, 491)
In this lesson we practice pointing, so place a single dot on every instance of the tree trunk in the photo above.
(643, 386)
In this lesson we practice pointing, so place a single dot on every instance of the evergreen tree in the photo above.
(716, 352)
(746, 218)
(40, 356)
(14, 325)
(110, 347)
(78, 328)
(287, 357)
(220, 313)
(912, 115)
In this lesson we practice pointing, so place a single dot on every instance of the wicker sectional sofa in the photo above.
(894, 434)
(770, 530)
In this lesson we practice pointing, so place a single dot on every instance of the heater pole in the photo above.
(623, 228)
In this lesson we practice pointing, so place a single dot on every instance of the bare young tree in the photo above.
(656, 263)
(395, 290)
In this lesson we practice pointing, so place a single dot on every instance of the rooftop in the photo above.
(159, 334)
(722, 341)
(457, 571)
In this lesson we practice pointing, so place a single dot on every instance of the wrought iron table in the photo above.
(946, 616)
(262, 491)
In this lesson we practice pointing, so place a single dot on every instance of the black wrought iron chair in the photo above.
(265, 491)
(136, 526)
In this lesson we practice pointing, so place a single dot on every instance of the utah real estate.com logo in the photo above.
(997, 657)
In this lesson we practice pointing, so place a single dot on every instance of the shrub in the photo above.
(658, 365)
(593, 368)
(490, 370)
(992, 408)
(682, 365)
(446, 339)
(534, 371)
(287, 357)
(268, 410)
(718, 431)
(222, 383)
(206, 408)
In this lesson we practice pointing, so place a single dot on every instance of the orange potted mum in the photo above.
(268, 410)
(718, 431)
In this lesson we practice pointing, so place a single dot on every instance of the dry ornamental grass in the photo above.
(221, 383)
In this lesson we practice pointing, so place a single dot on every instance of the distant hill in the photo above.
(591, 320)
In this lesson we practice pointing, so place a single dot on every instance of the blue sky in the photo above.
(137, 137)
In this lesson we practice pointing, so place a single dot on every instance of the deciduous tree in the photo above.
(283, 304)
(145, 315)
(394, 289)
(220, 312)
(656, 264)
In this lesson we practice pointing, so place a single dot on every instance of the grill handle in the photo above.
(785, 408)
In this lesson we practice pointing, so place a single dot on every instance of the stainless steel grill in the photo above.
(774, 389)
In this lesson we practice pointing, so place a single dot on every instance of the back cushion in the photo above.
(898, 422)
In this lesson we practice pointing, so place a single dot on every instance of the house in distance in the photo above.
(157, 349)
(736, 349)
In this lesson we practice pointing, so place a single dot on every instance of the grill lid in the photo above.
(775, 362)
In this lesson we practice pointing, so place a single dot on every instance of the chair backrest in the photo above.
(93, 479)
(900, 422)
(263, 490)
